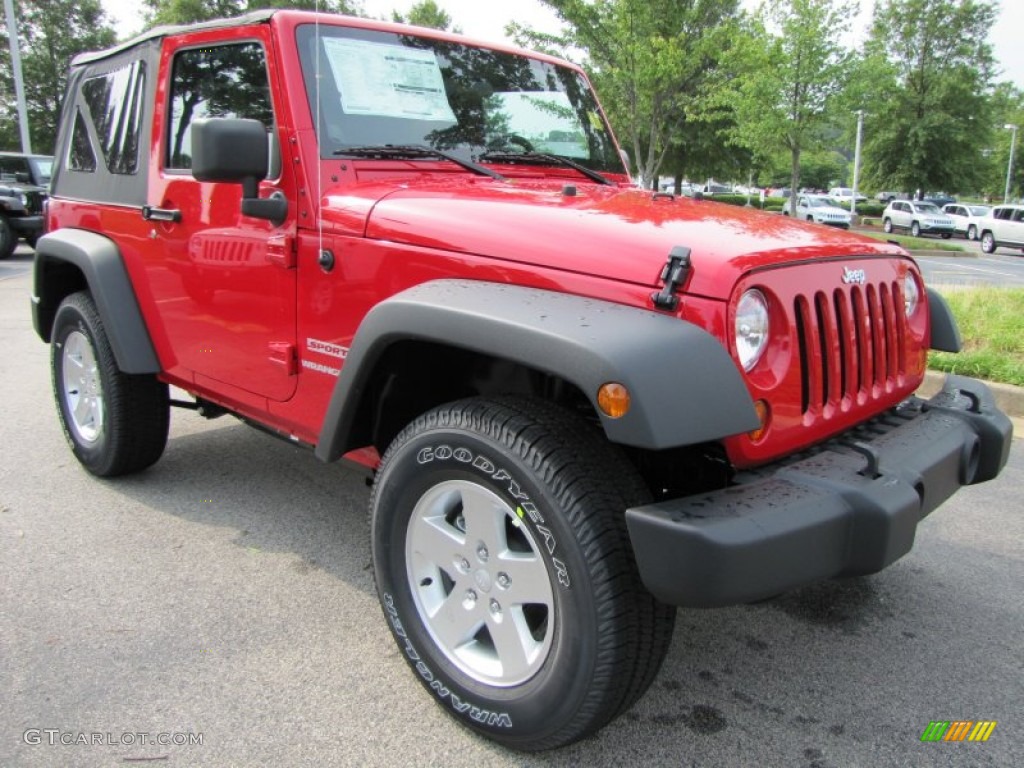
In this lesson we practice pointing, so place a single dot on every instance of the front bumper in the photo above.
(26, 226)
(849, 507)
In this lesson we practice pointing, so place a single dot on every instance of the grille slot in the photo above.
(851, 345)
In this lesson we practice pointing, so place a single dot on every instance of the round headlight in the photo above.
(24, 199)
(751, 327)
(911, 294)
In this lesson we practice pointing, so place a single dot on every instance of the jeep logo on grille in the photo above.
(854, 276)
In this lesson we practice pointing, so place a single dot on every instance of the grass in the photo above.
(991, 323)
(916, 243)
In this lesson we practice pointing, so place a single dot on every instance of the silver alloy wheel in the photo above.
(479, 583)
(972, 232)
(82, 390)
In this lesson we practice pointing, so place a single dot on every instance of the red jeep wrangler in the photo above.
(582, 404)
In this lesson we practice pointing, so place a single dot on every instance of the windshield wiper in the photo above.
(409, 151)
(516, 157)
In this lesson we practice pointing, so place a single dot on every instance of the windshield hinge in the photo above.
(673, 275)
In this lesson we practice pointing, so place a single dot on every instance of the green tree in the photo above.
(427, 13)
(51, 33)
(790, 71)
(1007, 109)
(648, 59)
(931, 112)
(190, 11)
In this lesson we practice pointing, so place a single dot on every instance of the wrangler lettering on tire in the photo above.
(504, 569)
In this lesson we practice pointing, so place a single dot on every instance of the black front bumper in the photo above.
(26, 226)
(850, 507)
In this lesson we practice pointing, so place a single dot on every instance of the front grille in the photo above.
(34, 202)
(851, 344)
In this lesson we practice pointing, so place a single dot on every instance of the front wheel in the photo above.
(506, 574)
(988, 242)
(115, 423)
(8, 238)
(915, 229)
(887, 226)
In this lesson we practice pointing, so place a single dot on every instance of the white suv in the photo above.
(1004, 226)
(919, 217)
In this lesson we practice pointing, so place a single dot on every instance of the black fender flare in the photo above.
(99, 261)
(685, 388)
(945, 332)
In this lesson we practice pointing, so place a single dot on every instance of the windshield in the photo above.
(45, 167)
(817, 202)
(384, 88)
(928, 208)
(979, 210)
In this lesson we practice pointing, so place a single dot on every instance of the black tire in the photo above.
(915, 229)
(988, 242)
(946, 235)
(810, 218)
(972, 232)
(8, 238)
(595, 638)
(121, 421)
(887, 226)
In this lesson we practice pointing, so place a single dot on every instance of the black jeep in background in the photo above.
(24, 180)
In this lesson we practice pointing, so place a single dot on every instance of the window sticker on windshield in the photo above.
(388, 80)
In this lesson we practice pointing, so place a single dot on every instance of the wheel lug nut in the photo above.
(504, 581)
(462, 564)
(481, 553)
(470, 600)
(495, 608)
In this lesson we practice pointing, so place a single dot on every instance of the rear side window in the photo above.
(108, 121)
(1018, 215)
(1002, 213)
(219, 81)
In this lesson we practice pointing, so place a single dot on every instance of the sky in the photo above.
(486, 21)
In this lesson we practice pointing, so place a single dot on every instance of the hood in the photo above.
(617, 233)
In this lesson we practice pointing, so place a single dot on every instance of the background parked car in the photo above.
(920, 217)
(940, 199)
(24, 180)
(966, 218)
(1004, 226)
(822, 210)
(845, 195)
(888, 197)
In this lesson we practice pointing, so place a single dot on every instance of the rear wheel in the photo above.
(972, 232)
(506, 574)
(115, 423)
(988, 242)
(946, 235)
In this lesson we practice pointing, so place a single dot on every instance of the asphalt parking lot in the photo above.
(227, 593)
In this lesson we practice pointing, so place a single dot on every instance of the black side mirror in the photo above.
(236, 151)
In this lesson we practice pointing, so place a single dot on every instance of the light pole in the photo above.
(19, 87)
(856, 161)
(1009, 167)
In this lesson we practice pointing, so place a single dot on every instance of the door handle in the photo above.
(149, 213)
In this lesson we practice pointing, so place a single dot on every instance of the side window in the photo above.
(221, 81)
(80, 155)
(1018, 215)
(1001, 213)
(113, 112)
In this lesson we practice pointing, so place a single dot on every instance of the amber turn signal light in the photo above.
(613, 399)
(763, 416)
